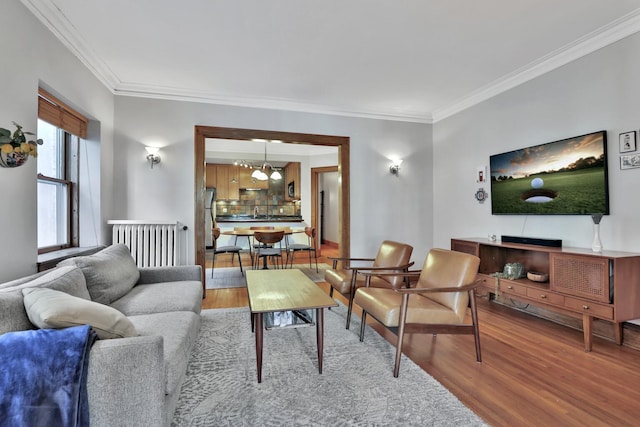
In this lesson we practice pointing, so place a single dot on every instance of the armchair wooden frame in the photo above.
(426, 328)
(361, 269)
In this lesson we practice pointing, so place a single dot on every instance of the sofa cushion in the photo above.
(178, 330)
(48, 308)
(13, 316)
(161, 297)
(110, 273)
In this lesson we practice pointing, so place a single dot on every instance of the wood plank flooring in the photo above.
(533, 373)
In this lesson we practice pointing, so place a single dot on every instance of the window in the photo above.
(61, 130)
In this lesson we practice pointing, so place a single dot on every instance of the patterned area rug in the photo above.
(230, 277)
(356, 386)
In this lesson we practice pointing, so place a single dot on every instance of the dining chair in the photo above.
(257, 228)
(267, 247)
(437, 304)
(310, 247)
(232, 249)
(391, 257)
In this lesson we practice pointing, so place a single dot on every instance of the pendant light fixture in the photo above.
(261, 173)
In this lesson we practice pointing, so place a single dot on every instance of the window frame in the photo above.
(72, 127)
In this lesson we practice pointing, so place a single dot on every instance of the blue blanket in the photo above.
(43, 377)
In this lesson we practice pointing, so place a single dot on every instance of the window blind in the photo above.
(56, 112)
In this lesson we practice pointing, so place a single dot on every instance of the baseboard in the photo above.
(331, 244)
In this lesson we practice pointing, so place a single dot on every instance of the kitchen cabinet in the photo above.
(211, 180)
(581, 283)
(292, 181)
(226, 182)
(248, 182)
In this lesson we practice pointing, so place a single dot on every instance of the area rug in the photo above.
(230, 277)
(356, 386)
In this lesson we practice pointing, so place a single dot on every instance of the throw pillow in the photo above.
(110, 273)
(48, 308)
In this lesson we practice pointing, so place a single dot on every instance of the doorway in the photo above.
(203, 132)
(316, 209)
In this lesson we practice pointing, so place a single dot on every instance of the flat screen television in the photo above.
(566, 177)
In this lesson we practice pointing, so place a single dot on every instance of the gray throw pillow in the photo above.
(50, 309)
(110, 273)
(13, 316)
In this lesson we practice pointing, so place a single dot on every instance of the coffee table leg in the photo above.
(258, 331)
(320, 335)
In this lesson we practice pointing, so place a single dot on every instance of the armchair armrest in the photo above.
(371, 271)
(467, 287)
(336, 259)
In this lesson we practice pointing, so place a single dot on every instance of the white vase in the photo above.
(596, 246)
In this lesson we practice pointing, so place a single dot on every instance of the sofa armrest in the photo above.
(126, 382)
(169, 274)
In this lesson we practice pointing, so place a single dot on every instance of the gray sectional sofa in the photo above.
(135, 378)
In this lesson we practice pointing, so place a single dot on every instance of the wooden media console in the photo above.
(603, 285)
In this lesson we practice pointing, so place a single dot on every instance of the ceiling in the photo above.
(414, 60)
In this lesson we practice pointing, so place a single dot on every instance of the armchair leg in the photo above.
(403, 319)
(362, 325)
(349, 311)
(474, 319)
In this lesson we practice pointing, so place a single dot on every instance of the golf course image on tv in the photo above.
(566, 177)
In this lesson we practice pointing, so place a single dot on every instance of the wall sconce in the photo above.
(395, 166)
(152, 155)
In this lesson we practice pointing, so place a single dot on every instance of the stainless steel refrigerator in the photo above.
(209, 215)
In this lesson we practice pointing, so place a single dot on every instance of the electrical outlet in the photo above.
(281, 210)
(224, 210)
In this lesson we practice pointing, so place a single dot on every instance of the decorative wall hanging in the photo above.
(627, 141)
(15, 149)
(630, 161)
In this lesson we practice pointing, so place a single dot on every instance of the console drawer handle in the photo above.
(585, 307)
(543, 296)
(509, 287)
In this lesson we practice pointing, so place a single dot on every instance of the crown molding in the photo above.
(180, 94)
(625, 26)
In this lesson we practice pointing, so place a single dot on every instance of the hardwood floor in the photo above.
(534, 372)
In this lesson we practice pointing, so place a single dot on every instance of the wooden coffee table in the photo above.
(284, 290)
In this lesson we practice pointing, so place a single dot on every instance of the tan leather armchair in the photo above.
(438, 304)
(391, 257)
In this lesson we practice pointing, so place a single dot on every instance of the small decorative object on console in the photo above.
(596, 246)
(537, 277)
(512, 271)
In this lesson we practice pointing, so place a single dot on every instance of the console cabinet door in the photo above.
(581, 276)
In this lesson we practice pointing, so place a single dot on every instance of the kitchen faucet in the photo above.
(256, 211)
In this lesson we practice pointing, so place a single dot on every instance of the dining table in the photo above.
(249, 233)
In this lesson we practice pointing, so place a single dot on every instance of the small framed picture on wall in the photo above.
(628, 142)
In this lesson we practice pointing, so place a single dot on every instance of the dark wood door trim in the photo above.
(315, 172)
(203, 132)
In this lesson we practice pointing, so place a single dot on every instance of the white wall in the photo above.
(32, 56)
(382, 206)
(597, 92)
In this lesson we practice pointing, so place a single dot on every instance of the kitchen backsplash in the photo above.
(267, 202)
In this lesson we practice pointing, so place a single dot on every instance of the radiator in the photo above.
(152, 243)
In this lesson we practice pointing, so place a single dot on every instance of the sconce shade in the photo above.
(394, 168)
(152, 155)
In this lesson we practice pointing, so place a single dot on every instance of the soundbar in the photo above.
(555, 243)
